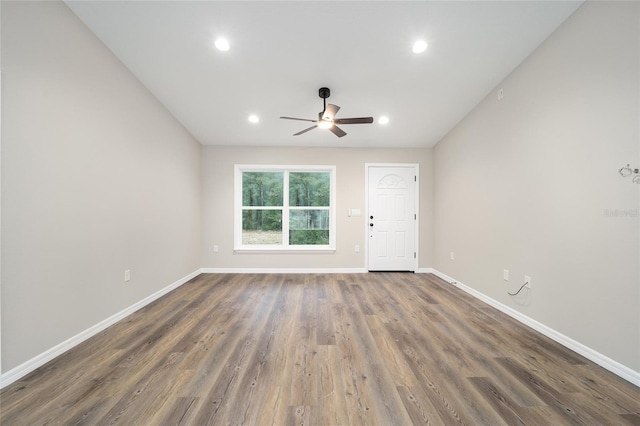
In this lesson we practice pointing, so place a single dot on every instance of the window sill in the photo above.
(281, 250)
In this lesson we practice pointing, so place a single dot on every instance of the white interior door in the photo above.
(391, 218)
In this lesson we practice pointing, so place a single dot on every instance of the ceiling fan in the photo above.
(326, 118)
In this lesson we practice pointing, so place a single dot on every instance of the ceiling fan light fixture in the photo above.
(419, 46)
(254, 119)
(383, 120)
(325, 124)
(222, 44)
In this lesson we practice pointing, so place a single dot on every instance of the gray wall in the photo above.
(218, 168)
(97, 177)
(530, 184)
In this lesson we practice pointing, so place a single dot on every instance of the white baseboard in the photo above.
(39, 360)
(615, 367)
(424, 271)
(283, 270)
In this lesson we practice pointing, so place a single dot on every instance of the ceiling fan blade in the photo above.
(337, 131)
(305, 130)
(299, 119)
(358, 120)
(330, 112)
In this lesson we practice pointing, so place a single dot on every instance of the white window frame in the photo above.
(285, 247)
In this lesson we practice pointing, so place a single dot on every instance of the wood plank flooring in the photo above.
(340, 349)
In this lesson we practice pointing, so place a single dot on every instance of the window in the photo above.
(284, 208)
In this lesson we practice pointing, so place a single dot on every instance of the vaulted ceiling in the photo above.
(282, 52)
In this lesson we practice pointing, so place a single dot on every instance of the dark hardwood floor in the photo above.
(343, 349)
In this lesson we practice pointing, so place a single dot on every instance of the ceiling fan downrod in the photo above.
(324, 93)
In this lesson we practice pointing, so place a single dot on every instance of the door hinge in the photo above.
(415, 217)
(414, 254)
(415, 178)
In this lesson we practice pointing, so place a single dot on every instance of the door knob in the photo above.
(370, 217)
(371, 224)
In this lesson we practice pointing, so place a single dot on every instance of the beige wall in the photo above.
(97, 177)
(530, 184)
(217, 185)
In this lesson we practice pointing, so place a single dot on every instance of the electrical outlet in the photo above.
(505, 275)
(127, 275)
(216, 248)
(527, 281)
(357, 248)
(451, 255)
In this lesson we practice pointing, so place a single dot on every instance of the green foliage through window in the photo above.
(310, 237)
(309, 188)
(262, 220)
(262, 188)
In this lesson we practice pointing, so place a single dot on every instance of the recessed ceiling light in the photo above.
(222, 44)
(254, 119)
(419, 46)
(383, 120)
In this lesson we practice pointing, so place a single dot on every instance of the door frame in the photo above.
(416, 243)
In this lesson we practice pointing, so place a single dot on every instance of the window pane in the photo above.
(262, 189)
(309, 227)
(309, 188)
(262, 227)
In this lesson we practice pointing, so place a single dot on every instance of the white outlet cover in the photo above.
(505, 275)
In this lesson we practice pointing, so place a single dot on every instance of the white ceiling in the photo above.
(282, 52)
